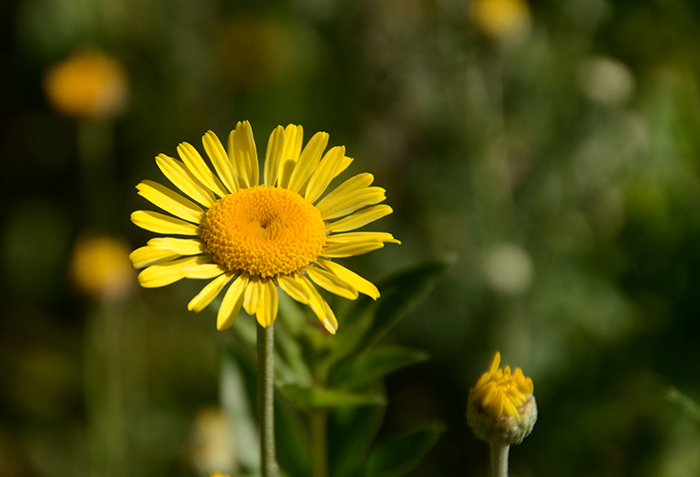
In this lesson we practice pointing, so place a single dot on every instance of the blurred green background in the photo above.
(554, 147)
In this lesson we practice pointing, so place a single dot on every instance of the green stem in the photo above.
(499, 460)
(266, 403)
(319, 445)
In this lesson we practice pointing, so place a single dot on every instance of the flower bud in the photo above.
(501, 408)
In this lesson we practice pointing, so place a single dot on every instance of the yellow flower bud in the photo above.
(502, 19)
(100, 267)
(501, 408)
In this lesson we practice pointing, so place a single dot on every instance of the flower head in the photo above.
(100, 267)
(88, 84)
(258, 237)
(502, 19)
(501, 407)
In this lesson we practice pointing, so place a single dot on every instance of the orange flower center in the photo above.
(263, 231)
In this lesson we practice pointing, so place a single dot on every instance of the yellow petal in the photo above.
(293, 138)
(231, 304)
(209, 270)
(360, 218)
(294, 288)
(273, 156)
(352, 201)
(324, 173)
(183, 179)
(319, 306)
(209, 292)
(164, 274)
(253, 296)
(267, 308)
(342, 250)
(217, 154)
(162, 224)
(308, 160)
(177, 245)
(246, 155)
(332, 283)
(146, 256)
(343, 165)
(196, 165)
(358, 237)
(358, 182)
(170, 201)
(355, 280)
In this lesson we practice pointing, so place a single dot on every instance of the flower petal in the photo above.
(358, 237)
(245, 160)
(146, 256)
(231, 304)
(183, 179)
(343, 165)
(217, 154)
(359, 219)
(162, 224)
(342, 250)
(209, 292)
(358, 182)
(293, 138)
(308, 160)
(332, 283)
(352, 201)
(166, 273)
(177, 245)
(294, 288)
(324, 173)
(360, 284)
(267, 308)
(253, 296)
(208, 270)
(170, 201)
(319, 306)
(196, 165)
(273, 156)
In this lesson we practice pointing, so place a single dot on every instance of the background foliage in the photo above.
(559, 162)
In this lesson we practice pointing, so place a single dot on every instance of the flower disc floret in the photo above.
(264, 232)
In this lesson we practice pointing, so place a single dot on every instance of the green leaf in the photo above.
(309, 398)
(368, 321)
(397, 456)
(351, 432)
(292, 440)
(402, 292)
(374, 364)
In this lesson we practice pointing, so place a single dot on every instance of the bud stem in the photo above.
(499, 460)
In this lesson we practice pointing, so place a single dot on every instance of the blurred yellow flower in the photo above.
(213, 446)
(219, 474)
(100, 267)
(260, 236)
(89, 84)
(501, 406)
(502, 19)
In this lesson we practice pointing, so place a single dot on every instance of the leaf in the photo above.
(402, 292)
(397, 456)
(368, 321)
(292, 439)
(375, 364)
(309, 398)
(351, 432)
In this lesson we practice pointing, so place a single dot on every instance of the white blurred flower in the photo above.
(508, 268)
(606, 80)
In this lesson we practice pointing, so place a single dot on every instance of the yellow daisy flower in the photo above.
(260, 236)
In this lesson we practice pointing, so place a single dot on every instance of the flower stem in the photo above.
(499, 460)
(266, 406)
(319, 448)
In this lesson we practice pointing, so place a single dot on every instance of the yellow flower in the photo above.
(502, 19)
(260, 236)
(501, 407)
(218, 474)
(100, 267)
(88, 84)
